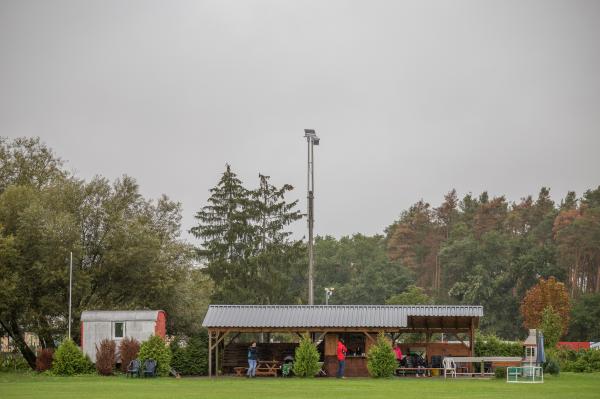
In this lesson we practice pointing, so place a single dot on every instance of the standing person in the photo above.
(341, 356)
(252, 359)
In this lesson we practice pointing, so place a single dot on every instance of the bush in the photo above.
(306, 359)
(44, 359)
(190, 357)
(381, 358)
(105, 357)
(155, 348)
(500, 372)
(128, 350)
(13, 362)
(552, 367)
(69, 360)
(582, 361)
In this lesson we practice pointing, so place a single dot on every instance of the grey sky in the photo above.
(410, 99)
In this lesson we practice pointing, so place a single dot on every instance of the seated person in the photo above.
(421, 363)
(398, 352)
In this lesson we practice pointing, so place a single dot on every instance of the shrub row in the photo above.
(491, 345)
(68, 359)
(581, 361)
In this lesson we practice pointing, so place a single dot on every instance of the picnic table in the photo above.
(263, 367)
(268, 367)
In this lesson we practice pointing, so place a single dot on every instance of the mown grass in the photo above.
(31, 386)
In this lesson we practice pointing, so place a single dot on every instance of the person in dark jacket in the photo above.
(252, 360)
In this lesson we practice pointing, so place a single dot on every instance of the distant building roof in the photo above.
(120, 315)
(574, 345)
(336, 316)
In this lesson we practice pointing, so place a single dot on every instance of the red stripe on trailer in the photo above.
(160, 328)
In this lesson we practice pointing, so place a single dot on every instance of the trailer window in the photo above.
(119, 329)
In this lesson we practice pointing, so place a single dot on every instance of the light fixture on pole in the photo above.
(328, 294)
(312, 140)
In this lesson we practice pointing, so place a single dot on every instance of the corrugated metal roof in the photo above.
(284, 316)
(120, 315)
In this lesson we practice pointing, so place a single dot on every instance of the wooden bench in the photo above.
(240, 371)
(426, 370)
(266, 372)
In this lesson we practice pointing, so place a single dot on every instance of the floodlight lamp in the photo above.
(309, 133)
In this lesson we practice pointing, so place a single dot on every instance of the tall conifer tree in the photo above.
(227, 233)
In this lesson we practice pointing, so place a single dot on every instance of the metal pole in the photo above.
(326, 297)
(310, 222)
(70, 291)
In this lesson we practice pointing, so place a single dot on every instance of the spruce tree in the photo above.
(276, 256)
(227, 233)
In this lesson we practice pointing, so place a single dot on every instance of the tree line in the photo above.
(128, 252)
(482, 250)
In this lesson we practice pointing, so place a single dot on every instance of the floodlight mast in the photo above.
(312, 140)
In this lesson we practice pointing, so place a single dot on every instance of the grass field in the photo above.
(31, 386)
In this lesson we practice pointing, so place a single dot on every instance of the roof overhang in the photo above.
(274, 318)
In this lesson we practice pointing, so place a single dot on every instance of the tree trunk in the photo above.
(597, 279)
(13, 330)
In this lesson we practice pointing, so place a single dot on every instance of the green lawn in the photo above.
(33, 386)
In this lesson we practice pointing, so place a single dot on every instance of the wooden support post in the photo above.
(217, 357)
(209, 353)
(472, 337)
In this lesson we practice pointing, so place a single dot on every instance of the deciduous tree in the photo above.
(545, 294)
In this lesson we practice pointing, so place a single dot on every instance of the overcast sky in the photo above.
(410, 99)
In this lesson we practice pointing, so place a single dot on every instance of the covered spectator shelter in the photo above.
(358, 324)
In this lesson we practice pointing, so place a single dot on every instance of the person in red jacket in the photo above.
(398, 352)
(341, 356)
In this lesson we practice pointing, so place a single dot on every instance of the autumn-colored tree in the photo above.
(415, 241)
(546, 293)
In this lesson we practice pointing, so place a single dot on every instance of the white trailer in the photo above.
(115, 325)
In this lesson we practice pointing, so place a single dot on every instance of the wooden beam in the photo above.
(369, 336)
(232, 339)
(320, 336)
(218, 340)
